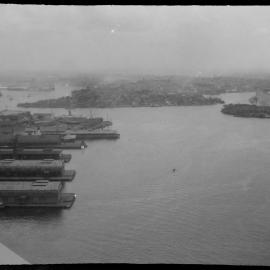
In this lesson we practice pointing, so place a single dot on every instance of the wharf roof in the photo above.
(38, 185)
(39, 139)
(97, 131)
(40, 151)
(31, 163)
(31, 151)
(42, 114)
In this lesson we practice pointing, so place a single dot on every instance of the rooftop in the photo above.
(27, 163)
(37, 151)
(38, 185)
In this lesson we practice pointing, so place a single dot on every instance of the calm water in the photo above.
(131, 207)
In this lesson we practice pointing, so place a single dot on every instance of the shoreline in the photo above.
(124, 106)
(116, 98)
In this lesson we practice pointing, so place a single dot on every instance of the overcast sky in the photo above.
(156, 39)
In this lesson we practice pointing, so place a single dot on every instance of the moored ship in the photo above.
(51, 130)
(95, 134)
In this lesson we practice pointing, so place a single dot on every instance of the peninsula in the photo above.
(115, 97)
(246, 110)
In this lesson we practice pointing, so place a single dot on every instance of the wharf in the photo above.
(42, 193)
(34, 154)
(71, 145)
(67, 145)
(82, 134)
(67, 176)
(66, 200)
(95, 134)
(38, 141)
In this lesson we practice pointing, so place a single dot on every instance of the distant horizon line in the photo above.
(58, 72)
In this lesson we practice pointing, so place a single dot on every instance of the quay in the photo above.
(84, 134)
(34, 154)
(67, 176)
(30, 170)
(64, 145)
(95, 134)
(38, 142)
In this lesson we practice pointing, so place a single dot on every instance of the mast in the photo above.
(70, 103)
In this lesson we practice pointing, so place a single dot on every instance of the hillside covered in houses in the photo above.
(136, 91)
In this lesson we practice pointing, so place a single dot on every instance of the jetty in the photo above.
(38, 141)
(49, 130)
(35, 183)
(34, 154)
(32, 165)
(96, 134)
(31, 170)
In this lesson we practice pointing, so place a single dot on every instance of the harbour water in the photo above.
(132, 207)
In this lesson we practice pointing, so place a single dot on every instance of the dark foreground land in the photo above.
(246, 110)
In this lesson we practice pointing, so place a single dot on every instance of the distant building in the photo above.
(262, 97)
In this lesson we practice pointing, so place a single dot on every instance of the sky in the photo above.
(151, 39)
